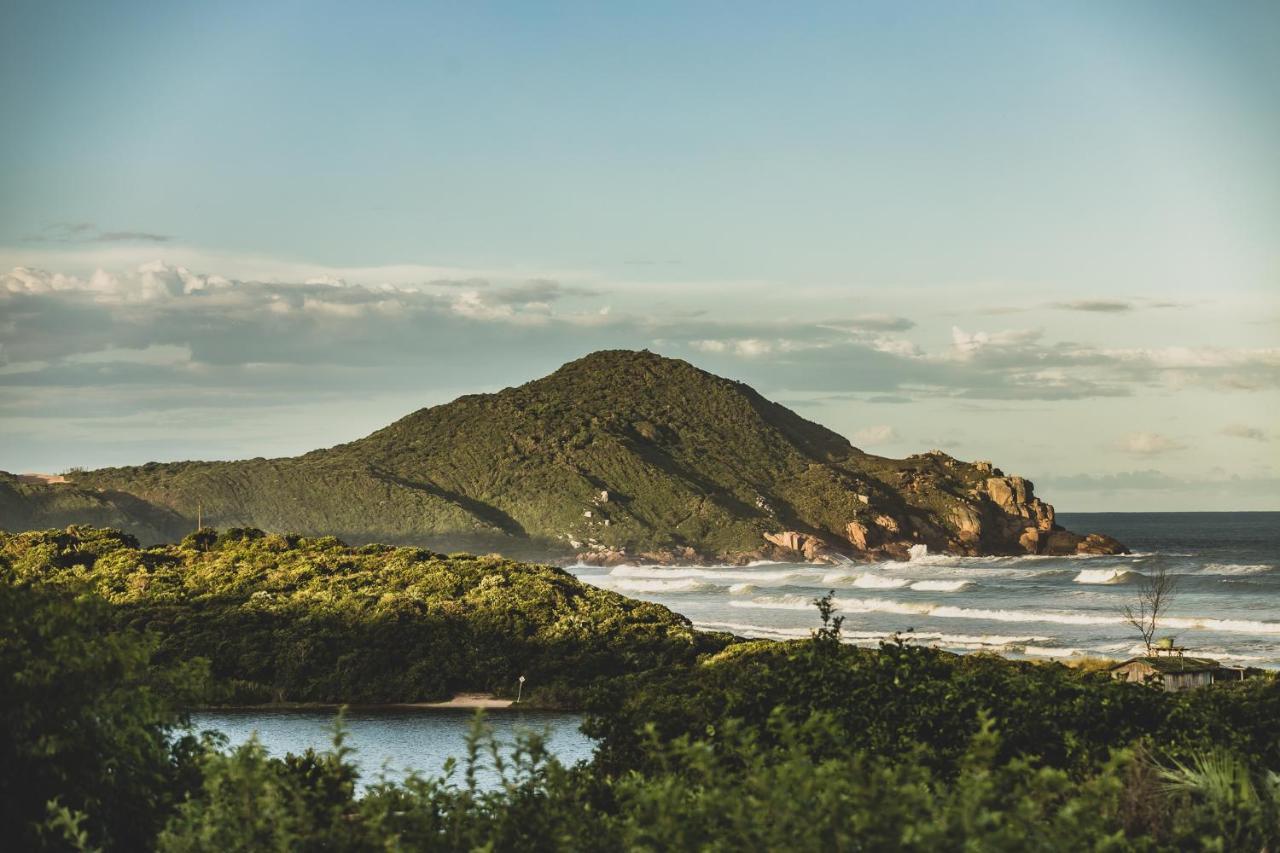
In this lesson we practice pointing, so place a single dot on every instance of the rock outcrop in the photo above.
(994, 514)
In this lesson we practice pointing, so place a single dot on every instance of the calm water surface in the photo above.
(398, 741)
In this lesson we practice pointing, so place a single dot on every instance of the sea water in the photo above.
(1227, 604)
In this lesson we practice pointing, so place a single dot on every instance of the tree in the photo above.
(1154, 597)
(87, 720)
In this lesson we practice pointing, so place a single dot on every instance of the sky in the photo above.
(1043, 234)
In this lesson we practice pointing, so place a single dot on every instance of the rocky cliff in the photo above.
(617, 456)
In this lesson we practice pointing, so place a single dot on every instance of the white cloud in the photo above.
(156, 354)
(880, 434)
(1097, 306)
(966, 345)
(752, 348)
(1245, 431)
(1148, 443)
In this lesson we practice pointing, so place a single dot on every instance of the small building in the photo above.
(1172, 672)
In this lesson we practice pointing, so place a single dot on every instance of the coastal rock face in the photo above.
(857, 532)
(617, 457)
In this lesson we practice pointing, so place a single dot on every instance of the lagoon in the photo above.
(396, 742)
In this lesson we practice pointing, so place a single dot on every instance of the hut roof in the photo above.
(1171, 664)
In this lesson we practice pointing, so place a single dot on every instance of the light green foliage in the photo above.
(1224, 798)
(292, 619)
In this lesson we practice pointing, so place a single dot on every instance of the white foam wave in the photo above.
(664, 585)
(866, 581)
(1236, 568)
(1052, 652)
(1103, 576)
(975, 642)
(743, 589)
(941, 611)
(724, 575)
(749, 630)
(940, 586)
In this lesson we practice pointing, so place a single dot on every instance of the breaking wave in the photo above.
(940, 586)
(722, 575)
(1237, 569)
(662, 585)
(1105, 576)
(942, 611)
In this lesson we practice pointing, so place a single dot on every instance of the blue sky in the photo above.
(1039, 233)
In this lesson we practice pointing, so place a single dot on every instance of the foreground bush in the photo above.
(749, 797)
(88, 724)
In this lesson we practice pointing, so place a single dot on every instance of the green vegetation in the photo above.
(311, 620)
(892, 701)
(618, 451)
(705, 743)
(86, 721)
(808, 745)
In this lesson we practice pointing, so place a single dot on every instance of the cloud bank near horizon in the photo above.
(121, 360)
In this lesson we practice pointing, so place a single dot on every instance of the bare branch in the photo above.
(1153, 598)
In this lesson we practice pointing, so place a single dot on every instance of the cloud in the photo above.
(1244, 431)
(1098, 306)
(1089, 306)
(159, 325)
(881, 434)
(871, 323)
(966, 345)
(131, 236)
(1148, 444)
(1154, 489)
(87, 232)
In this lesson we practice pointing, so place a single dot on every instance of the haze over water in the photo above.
(1227, 606)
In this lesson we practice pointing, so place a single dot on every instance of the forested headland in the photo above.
(619, 455)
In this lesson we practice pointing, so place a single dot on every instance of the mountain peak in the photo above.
(620, 454)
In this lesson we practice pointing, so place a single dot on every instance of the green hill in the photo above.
(614, 456)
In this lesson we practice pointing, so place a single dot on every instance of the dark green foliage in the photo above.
(85, 720)
(893, 700)
(687, 459)
(737, 794)
(293, 619)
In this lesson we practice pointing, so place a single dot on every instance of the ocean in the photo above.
(1227, 604)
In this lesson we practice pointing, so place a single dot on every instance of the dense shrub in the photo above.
(87, 721)
(292, 619)
(737, 794)
(900, 697)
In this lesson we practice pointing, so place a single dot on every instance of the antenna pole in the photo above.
(199, 517)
